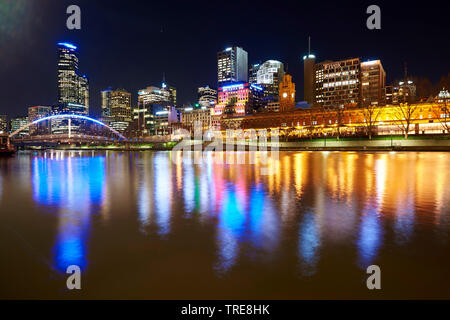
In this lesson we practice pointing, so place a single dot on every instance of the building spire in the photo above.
(309, 45)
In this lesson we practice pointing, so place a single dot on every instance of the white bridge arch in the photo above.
(67, 116)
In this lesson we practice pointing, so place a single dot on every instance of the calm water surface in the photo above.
(141, 226)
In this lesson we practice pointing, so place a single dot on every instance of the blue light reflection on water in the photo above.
(309, 244)
(370, 236)
(73, 185)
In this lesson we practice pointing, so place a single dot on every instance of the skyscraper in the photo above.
(232, 66)
(253, 73)
(106, 103)
(308, 75)
(269, 76)
(337, 83)
(373, 83)
(73, 89)
(116, 108)
(153, 103)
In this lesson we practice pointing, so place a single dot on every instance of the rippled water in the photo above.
(141, 225)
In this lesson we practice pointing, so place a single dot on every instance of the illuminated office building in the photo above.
(38, 112)
(207, 97)
(20, 122)
(337, 83)
(154, 104)
(73, 89)
(269, 76)
(238, 99)
(232, 66)
(117, 104)
(403, 92)
(373, 83)
(253, 73)
(106, 104)
(3, 124)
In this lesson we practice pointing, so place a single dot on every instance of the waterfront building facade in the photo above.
(425, 118)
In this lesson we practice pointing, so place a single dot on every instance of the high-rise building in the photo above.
(3, 124)
(287, 94)
(73, 89)
(106, 104)
(39, 112)
(20, 122)
(232, 66)
(172, 93)
(308, 77)
(309, 61)
(207, 97)
(402, 92)
(269, 76)
(337, 83)
(153, 104)
(121, 116)
(349, 82)
(253, 73)
(373, 83)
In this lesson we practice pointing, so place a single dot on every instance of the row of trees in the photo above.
(404, 115)
(425, 88)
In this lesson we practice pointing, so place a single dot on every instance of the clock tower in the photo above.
(287, 94)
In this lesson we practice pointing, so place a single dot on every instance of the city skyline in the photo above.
(170, 59)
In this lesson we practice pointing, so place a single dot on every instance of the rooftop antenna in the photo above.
(309, 46)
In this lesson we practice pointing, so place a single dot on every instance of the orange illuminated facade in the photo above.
(287, 94)
(425, 118)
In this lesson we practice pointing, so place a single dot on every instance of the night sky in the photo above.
(131, 43)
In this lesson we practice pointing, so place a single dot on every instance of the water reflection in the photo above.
(73, 186)
(319, 201)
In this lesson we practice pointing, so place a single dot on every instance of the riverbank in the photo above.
(413, 143)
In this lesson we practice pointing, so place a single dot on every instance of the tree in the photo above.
(424, 88)
(443, 115)
(340, 120)
(371, 114)
(404, 114)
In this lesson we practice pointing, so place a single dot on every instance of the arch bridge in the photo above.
(70, 137)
